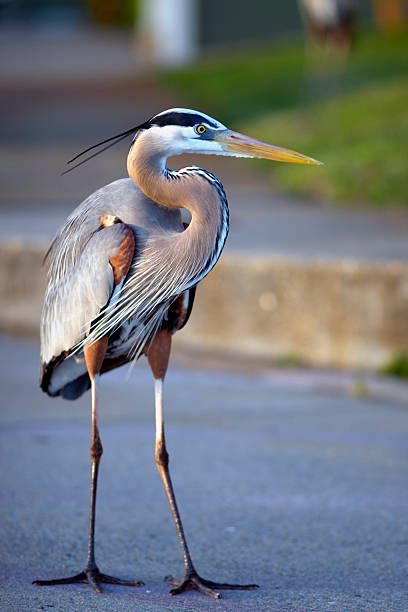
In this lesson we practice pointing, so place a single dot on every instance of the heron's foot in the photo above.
(92, 577)
(191, 580)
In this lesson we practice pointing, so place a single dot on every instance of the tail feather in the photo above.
(65, 376)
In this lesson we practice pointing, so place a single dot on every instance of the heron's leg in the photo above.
(158, 357)
(94, 356)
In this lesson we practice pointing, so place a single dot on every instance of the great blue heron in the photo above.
(121, 280)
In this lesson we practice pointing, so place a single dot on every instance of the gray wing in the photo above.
(78, 296)
(122, 198)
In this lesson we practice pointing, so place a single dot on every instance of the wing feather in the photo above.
(80, 294)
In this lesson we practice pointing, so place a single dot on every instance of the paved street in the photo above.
(298, 488)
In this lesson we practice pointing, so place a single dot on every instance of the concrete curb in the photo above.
(325, 313)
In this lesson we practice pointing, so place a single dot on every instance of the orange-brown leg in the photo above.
(94, 356)
(158, 357)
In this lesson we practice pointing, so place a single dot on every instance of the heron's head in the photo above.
(181, 130)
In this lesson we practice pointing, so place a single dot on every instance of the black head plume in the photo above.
(174, 116)
(115, 139)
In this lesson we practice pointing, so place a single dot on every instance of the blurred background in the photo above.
(315, 269)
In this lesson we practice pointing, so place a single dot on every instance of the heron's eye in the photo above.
(200, 129)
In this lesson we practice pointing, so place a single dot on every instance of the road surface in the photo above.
(301, 490)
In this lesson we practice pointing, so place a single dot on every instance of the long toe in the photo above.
(112, 580)
(92, 580)
(206, 587)
(225, 585)
(81, 577)
(91, 577)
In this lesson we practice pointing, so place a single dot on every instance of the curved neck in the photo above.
(194, 189)
(146, 165)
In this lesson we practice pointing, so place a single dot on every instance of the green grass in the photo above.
(397, 366)
(354, 119)
(362, 138)
(238, 88)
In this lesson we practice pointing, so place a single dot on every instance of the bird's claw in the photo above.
(91, 577)
(192, 580)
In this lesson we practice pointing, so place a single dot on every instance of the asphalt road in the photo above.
(300, 490)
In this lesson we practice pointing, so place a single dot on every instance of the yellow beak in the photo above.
(241, 145)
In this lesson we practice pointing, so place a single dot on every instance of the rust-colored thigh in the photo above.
(94, 356)
(159, 353)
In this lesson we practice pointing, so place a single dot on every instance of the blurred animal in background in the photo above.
(121, 281)
(330, 21)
